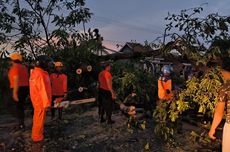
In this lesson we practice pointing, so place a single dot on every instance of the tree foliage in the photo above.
(197, 31)
(130, 79)
(199, 96)
(203, 92)
(80, 50)
(195, 36)
(36, 27)
(40, 26)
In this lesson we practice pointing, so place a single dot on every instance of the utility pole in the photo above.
(84, 26)
(164, 36)
(83, 22)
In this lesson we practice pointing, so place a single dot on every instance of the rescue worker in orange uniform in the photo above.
(59, 87)
(40, 93)
(19, 84)
(165, 84)
(106, 95)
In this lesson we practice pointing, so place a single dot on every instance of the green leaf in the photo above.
(147, 147)
(201, 109)
(143, 126)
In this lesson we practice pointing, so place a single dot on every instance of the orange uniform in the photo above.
(103, 77)
(58, 84)
(19, 82)
(163, 86)
(40, 93)
(105, 95)
(20, 71)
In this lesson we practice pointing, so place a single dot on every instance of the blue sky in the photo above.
(120, 21)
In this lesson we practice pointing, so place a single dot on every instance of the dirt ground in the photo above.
(80, 131)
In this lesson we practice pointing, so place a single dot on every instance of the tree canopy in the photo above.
(40, 26)
(196, 36)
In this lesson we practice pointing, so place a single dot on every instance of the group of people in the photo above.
(42, 87)
(45, 88)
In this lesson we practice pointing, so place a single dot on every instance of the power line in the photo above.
(114, 41)
(131, 26)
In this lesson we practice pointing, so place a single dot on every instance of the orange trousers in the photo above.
(38, 124)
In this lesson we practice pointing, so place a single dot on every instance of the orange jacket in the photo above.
(40, 88)
(20, 71)
(58, 84)
(162, 87)
(103, 77)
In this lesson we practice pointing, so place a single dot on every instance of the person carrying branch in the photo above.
(106, 95)
(224, 100)
(59, 87)
(19, 84)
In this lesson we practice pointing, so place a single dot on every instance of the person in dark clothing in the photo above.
(106, 95)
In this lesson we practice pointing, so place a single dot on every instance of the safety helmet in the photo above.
(44, 62)
(16, 56)
(167, 69)
(58, 64)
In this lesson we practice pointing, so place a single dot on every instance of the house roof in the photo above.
(104, 51)
(134, 50)
(136, 47)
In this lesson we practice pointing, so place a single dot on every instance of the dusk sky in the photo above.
(121, 21)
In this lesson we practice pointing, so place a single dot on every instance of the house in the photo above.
(149, 59)
(133, 50)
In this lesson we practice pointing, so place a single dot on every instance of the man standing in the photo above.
(106, 95)
(19, 82)
(59, 87)
(224, 99)
(40, 93)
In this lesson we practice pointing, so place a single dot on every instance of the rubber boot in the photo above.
(60, 113)
(52, 113)
(109, 120)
